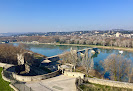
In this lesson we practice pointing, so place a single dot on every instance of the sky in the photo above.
(65, 15)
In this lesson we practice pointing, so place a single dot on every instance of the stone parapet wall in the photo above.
(53, 58)
(5, 65)
(9, 74)
(5, 78)
(110, 83)
(35, 78)
(74, 74)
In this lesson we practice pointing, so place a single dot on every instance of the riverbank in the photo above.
(103, 47)
(97, 46)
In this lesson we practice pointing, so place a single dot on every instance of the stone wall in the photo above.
(74, 74)
(110, 83)
(78, 82)
(5, 78)
(5, 64)
(53, 58)
(35, 78)
(10, 73)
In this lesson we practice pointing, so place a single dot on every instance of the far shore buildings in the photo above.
(124, 35)
(35, 42)
(118, 34)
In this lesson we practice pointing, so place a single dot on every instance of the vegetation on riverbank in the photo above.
(118, 67)
(114, 67)
(8, 54)
(79, 39)
(98, 87)
(4, 85)
(97, 46)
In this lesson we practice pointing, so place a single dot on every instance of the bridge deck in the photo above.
(85, 49)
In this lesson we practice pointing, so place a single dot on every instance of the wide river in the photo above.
(51, 50)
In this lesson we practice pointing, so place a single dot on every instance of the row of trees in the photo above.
(98, 40)
(84, 39)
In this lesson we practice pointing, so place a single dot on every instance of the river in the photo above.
(51, 50)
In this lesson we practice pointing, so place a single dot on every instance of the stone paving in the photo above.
(58, 83)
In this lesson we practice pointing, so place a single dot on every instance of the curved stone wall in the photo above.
(35, 78)
(10, 75)
(5, 65)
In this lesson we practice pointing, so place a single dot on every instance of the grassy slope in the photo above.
(4, 85)
(98, 87)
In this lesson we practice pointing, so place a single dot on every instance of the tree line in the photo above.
(82, 39)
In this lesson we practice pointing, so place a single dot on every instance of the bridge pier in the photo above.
(93, 50)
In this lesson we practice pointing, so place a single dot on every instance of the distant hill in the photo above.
(9, 34)
(67, 33)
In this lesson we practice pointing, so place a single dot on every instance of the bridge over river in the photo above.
(83, 50)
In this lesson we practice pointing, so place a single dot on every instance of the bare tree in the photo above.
(87, 62)
(82, 41)
(103, 42)
(65, 58)
(95, 42)
(111, 43)
(124, 43)
(74, 57)
(88, 42)
(132, 44)
(128, 43)
(70, 57)
(76, 41)
(24, 46)
(117, 66)
(91, 64)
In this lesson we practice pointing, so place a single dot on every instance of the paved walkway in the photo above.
(59, 83)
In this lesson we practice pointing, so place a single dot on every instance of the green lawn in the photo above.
(4, 85)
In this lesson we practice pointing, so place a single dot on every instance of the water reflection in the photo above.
(51, 50)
